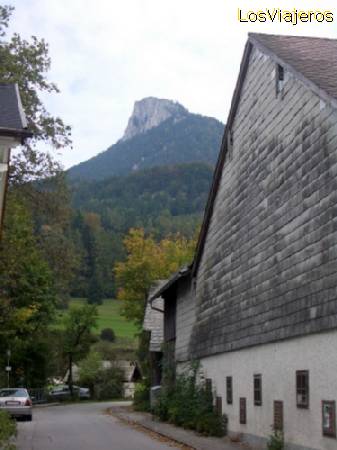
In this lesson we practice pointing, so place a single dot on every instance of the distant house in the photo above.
(154, 324)
(130, 369)
(13, 131)
(259, 306)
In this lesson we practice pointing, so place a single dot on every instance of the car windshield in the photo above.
(13, 393)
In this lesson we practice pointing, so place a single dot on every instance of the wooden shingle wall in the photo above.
(269, 264)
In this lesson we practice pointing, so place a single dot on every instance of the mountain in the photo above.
(151, 112)
(159, 133)
(156, 177)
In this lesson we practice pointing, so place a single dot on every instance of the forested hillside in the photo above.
(156, 177)
(162, 200)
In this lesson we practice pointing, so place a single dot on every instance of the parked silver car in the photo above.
(63, 392)
(17, 402)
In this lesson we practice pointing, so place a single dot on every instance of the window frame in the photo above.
(243, 410)
(302, 389)
(279, 78)
(331, 431)
(229, 390)
(278, 415)
(257, 390)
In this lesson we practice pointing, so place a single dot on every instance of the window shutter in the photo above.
(218, 406)
(243, 410)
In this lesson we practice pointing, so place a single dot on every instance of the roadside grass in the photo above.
(109, 316)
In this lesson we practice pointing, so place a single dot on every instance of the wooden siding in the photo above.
(269, 266)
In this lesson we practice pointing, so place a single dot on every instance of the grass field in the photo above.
(109, 316)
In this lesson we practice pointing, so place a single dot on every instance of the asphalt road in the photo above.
(81, 427)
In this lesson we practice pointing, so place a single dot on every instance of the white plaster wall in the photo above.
(278, 363)
(5, 144)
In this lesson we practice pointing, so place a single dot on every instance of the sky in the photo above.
(109, 53)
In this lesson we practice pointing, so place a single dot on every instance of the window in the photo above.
(258, 390)
(229, 390)
(302, 388)
(279, 78)
(208, 382)
(218, 406)
(278, 415)
(329, 418)
(243, 411)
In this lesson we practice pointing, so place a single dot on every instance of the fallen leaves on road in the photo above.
(156, 436)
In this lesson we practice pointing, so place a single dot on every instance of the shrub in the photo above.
(108, 335)
(210, 425)
(276, 441)
(141, 399)
(7, 431)
(190, 405)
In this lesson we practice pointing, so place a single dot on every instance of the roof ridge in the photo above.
(253, 34)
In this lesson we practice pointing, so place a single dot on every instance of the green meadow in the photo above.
(109, 316)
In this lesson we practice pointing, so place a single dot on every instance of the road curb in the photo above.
(46, 405)
(126, 419)
(176, 434)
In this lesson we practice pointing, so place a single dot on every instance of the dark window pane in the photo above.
(243, 411)
(258, 390)
(229, 390)
(302, 388)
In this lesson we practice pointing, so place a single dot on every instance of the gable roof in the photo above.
(12, 118)
(312, 60)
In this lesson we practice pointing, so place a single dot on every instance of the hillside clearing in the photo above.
(109, 316)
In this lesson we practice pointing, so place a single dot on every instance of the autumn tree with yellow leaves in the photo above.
(146, 262)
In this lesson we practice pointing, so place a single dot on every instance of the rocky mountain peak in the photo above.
(150, 112)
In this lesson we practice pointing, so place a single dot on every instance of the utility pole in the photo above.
(8, 367)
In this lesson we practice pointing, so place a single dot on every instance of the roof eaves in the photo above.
(254, 39)
(20, 108)
(15, 132)
(183, 272)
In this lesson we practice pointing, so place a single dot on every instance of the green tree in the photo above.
(78, 324)
(146, 262)
(35, 255)
(27, 64)
(27, 295)
(89, 369)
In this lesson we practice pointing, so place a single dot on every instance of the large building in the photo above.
(258, 308)
(13, 132)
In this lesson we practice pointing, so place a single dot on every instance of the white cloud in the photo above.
(107, 54)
